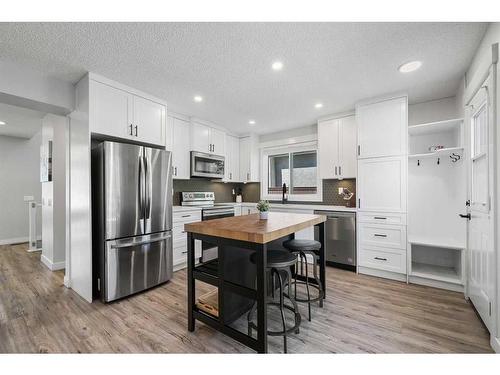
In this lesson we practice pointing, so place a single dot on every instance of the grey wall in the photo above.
(19, 176)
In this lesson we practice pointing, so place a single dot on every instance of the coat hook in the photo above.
(418, 162)
(438, 161)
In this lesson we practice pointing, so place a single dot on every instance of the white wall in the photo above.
(19, 176)
(54, 195)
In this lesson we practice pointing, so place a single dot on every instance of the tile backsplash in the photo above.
(251, 191)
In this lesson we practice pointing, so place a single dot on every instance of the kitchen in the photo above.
(353, 221)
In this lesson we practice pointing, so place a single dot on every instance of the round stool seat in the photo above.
(277, 259)
(302, 245)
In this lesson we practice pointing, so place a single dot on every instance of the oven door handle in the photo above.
(218, 212)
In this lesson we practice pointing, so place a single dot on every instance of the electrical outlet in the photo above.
(341, 191)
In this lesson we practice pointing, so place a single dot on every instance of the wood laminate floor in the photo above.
(362, 314)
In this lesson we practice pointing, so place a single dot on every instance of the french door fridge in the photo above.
(132, 218)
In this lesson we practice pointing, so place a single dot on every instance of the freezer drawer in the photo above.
(136, 263)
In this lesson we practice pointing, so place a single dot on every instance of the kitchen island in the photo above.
(236, 279)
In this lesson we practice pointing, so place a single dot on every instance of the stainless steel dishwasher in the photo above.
(340, 232)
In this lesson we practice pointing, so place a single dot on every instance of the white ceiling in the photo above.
(21, 122)
(229, 64)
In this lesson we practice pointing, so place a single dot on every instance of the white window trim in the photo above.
(266, 152)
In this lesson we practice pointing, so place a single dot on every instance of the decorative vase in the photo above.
(263, 215)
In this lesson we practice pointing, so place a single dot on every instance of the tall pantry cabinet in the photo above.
(382, 128)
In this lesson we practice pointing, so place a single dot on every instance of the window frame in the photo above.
(289, 149)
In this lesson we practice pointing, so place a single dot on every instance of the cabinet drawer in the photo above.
(381, 218)
(383, 259)
(184, 217)
(179, 255)
(393, 236)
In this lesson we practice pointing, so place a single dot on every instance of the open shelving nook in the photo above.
(436, 196)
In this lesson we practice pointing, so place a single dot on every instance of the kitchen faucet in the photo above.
(284, 197)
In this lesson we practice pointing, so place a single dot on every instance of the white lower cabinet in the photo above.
(179, 237)
(384, 259)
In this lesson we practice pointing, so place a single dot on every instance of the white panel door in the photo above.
(347, 147)
(481, 275)
(382, 184)
(111, 111)
(200, 138)
(149, 121)
(245, 159)
(180, 151)
(218, 141)
(382, 128)
(328, 149)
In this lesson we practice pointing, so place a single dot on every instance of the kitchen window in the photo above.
(297, 167)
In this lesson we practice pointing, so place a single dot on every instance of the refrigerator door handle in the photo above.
(136, 243)
(147, 185)
(141, 187)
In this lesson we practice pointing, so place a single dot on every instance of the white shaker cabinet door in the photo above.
(180, 149)
(328, 149)
(149, 121)
(218, 141)
(200, 137)
(382, 128)
(347, 147)
(382, 184)
(111, 111)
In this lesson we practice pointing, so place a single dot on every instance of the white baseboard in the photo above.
(13, 241)
(67, 284)
(495, 343)
(52, 266)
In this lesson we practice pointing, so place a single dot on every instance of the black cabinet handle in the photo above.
(184, 252)
(378, 258)
(136, 130)
(130, 129)
(380, 218)
(185, 215)
(380, 235)
(467, 216)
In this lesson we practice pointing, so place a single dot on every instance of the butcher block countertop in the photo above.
(251, 229)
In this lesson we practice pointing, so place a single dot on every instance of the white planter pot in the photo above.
(263, 215)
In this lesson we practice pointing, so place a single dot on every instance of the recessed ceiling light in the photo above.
(3, 123)
(198, 99)
(318, 105)
(251, 122)
(410, 66)
(277, 65)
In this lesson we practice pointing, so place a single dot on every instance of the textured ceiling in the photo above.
(21, 122)
(229, 64)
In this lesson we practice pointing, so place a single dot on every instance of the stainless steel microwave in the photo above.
(206, 165)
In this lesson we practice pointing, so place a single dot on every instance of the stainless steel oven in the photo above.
(207, 165)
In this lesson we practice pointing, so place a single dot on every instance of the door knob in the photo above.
(465, 216)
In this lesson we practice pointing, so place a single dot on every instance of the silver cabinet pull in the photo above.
(230, 176)
(378, 258)
(335, 170)
(380, 235)
(340, 170)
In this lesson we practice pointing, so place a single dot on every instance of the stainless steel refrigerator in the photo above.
(132, 218)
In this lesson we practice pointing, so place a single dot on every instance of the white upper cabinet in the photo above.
(111, 110)
(382, 128)
(232, 162)
(207, 139)
(148, 120)
(120, 113)
(180, 148)
(337, 148)
(249, 159)
(381, 184)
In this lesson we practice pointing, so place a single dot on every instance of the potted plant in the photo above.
(263, 207)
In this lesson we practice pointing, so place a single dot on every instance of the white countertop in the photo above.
(290, 206)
